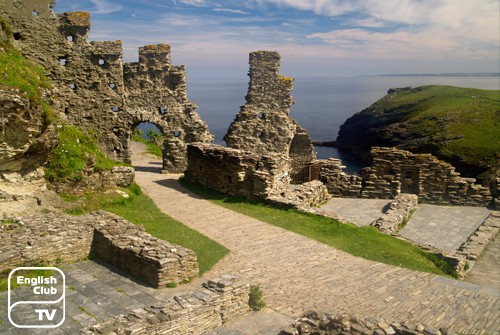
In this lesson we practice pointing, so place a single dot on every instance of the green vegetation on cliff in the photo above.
(16, 72)
(459, 125)
(75, 152)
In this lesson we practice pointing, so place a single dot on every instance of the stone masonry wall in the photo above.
(237, 172)
(194, 313)
(55, 238)
(263, 125)
(395, 171)
(95, 91)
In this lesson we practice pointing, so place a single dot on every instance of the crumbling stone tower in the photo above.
(263, 124)
(95, 91)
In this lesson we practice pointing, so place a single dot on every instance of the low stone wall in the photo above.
(399, 212)
(329, 324)
(154, 261)
(55, 239)
(395, 171)
(339, 183)
(193, 313)
(118, 176)
(303, 196)
(237, 172)
(478, 241)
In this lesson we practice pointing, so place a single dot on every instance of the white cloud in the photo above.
(228, 10)
(105, 7)
(367, 23)
(197, 3)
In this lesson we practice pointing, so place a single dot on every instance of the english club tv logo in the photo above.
(39, 298)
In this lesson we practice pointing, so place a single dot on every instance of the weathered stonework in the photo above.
(95, 91)
(313, 322)
(54, 239)
(237, 172)
(193, 313)
(263, 125)
(339, 183)
(395, 171)
(398, 213)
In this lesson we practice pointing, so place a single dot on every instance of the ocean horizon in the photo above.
(321, 106)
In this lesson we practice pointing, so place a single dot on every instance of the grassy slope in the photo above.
(466, 121)
(140, 209)
(364, 242)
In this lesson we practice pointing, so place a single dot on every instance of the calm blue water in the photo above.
(322, 104)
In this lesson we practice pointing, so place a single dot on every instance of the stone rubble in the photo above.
(314, 323)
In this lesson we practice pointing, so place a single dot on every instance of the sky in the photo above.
(316, 38)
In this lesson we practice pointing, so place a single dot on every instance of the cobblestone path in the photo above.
(297, 273)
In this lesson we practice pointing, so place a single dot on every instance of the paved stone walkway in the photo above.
(94, 292)
(444, 227)
(349, 209)
(297, 274)
(486, 271)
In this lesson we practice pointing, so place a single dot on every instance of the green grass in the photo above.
(462, 122)
(140, 209)
(24, 75)
(366, 242)
(73, 154)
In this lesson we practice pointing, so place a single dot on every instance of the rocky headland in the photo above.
(458, 125)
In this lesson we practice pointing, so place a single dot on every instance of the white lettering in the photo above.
(41, 312)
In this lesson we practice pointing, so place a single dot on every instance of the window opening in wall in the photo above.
(101, 61)
(17, 36)
(63, 61)
(262, 116)
(161, 110)
(177, 133)
(69, 38)
(115, 109)
(72, 86)
(35, 13)
(66, 111)
(260, 134)
(112, 85)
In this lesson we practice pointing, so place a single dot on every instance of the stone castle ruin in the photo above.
(94, 90)
(263, 125)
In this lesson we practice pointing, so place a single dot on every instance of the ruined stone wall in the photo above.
(95, 91)
(396, 171)
(339, 183)
(156, 92)
(194, 313)
(55, 238)
(237, 172)
(263, 125)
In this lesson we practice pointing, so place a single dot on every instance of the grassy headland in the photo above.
(459, 125)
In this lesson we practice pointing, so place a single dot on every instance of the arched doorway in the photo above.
(147, 139)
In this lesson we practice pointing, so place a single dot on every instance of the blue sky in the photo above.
(315, 37)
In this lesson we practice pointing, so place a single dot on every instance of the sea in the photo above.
(321, 104)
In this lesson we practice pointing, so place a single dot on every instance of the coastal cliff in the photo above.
(458, 125)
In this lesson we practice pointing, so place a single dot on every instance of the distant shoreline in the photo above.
(487, 74)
